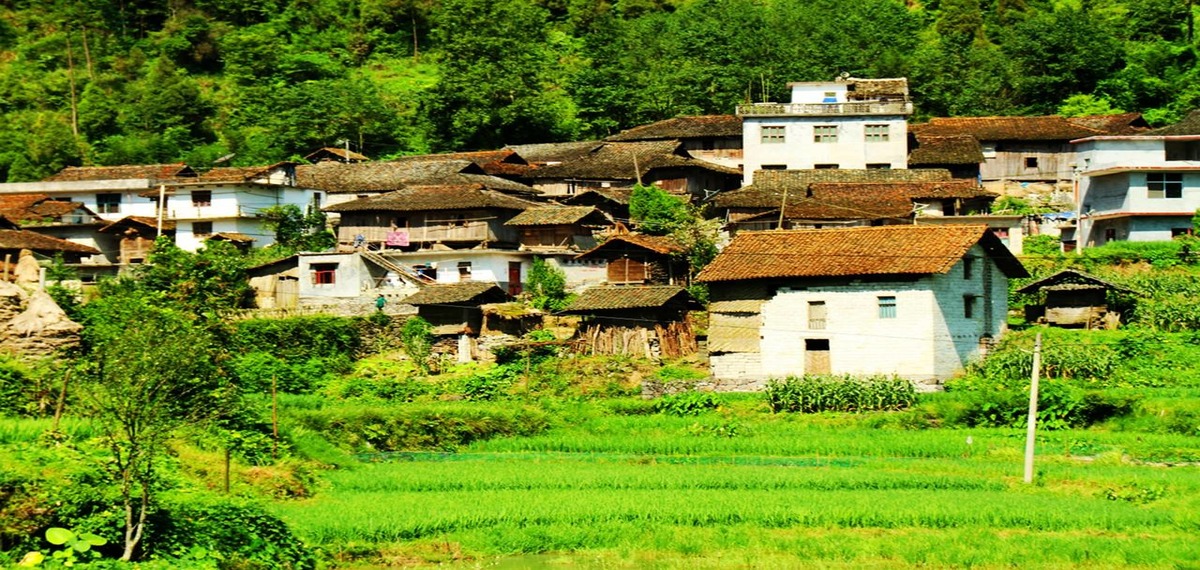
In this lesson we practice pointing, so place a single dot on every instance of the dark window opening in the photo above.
(1031, 162)
(1176, 232)
(825, 166)
(969, 306)
(202, 229)
(968, 267)
(1183, 150)
(879, 166)
(201, 198)
(324, 273)
(108, 203)
(774, 167)
(816, 344)
(1164, 185)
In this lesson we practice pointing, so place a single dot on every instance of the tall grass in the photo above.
(27, 430)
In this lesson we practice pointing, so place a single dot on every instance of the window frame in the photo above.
(200, 232)
(109, 206)
(817, 324)
(198, 200)
(969, 305)
(825, 134)
(877, 133)
(772, 134)
(887, 306)
(1161, 185)
(324, 273)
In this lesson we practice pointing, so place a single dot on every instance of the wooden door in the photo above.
(514, 278)
(816, 356)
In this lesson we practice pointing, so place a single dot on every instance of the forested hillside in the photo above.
(143, 81)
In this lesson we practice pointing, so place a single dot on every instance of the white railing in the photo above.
(828, 109)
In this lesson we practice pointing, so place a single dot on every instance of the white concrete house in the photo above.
(223, 201)
(848, 123)
(917, 302)
(1143, 187)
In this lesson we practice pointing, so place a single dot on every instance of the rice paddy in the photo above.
(764, 491)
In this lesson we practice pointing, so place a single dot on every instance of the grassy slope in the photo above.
(825, 490)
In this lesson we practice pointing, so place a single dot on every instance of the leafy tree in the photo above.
(547, 286)
(655, 211)
(1083, 105)
(149, 370)
(416, 336)
(208, 281)
(296, 230)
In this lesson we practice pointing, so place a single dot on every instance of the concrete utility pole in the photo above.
(1033, 406)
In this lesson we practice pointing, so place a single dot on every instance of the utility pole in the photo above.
(1033, 405)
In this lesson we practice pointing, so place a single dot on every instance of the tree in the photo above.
(655, 211)
(297, 231)
(547, 286)
(210, 280)
(148, 371)
(417, 338)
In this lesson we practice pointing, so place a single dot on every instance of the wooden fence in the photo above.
(669, 340)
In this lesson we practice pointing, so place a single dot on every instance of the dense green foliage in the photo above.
(110, 82)
(546, 285)
(810, 394)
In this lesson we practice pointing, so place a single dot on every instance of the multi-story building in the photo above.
(848, 123)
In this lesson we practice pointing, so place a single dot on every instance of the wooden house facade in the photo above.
(635, 259)
(646, 321)
(1073, 299)
(713, 138)
(137, 235)
(552, 229)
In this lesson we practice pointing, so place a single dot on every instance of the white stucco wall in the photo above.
(1114, 182)
(352, 276)
(800, 151)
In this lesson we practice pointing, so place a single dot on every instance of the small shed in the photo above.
(137, 235)
(636, 259)
(455, 308)
(1073, 299)
(648, 321)
(276, 284)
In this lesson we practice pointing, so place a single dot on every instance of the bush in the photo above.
(1060, 406)
(809, 394)
(383, 379)
(417, 338)
(240, 535)
(689, 403)
(298, 338)
(409, 427)
(257, 370)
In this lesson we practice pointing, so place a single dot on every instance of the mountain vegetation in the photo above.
(243, 82)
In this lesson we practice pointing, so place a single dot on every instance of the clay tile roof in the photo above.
(25, 239)
(549, 153)
(142, 221)
(340, 177)
(234, 237)
(1045, 128)
(240, 173)
(556, 215)
(1190, 125)
(661, 245)
(702, 126)
(127, 172)
(466, 292)
(617, 160)
(607, 298)
(35, 208)
(871, 201)
(429, 198)
(617, 194)
(952, 149)
(876, 89)
(1119, 124)
(1068, 277)
(883, 250)
(502, 162)
(769, 185)
(335, 153)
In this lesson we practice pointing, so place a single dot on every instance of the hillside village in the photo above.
(797, 193)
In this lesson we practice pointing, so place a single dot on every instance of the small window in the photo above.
(825, 134)
(878, 133)
(825, 166)
(324, 273)
(707, 144)
(1176, 232)
(816, 315)
(968, 267)
(460, 221)
(108, 203)
(1164, 185)
(830, 97)
(773, 134)
(1031, 162)
(887, 307)
(989, 150)
(202, 229)
(969, 306)
(879, 166)
(201, 198)
(774, 167)
(1110, 234)
(464, 270)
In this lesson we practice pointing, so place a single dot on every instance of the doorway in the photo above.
(816, 356)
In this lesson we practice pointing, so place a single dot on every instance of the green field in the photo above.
(742, 487)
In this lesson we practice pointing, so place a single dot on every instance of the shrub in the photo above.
(243, 535)
(257, 370)
(547, 286)
(1061, 405)
(411, 427)
(809, 394)
(417, 338)
(298, 338)
(689, 403)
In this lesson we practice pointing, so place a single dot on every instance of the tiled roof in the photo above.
(607, 298)
(661, 245)
(25, 239)
(1190, 125)
(556, 215)
(872, 201)
(466, 292)
(502, 162)
(240, 173)
(337, 153)
(876, 89)
(883, 250)
(684, 128)
(34, 208)
(546, 153)
(769, 185)
(235, 237)
(1070, 276)
(127, 172)
(1045, 128)
(428, 198)
(349, 178)
(952, 149)
(1119, 124)
(143, 221)
(617, 161)
(617, 194)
